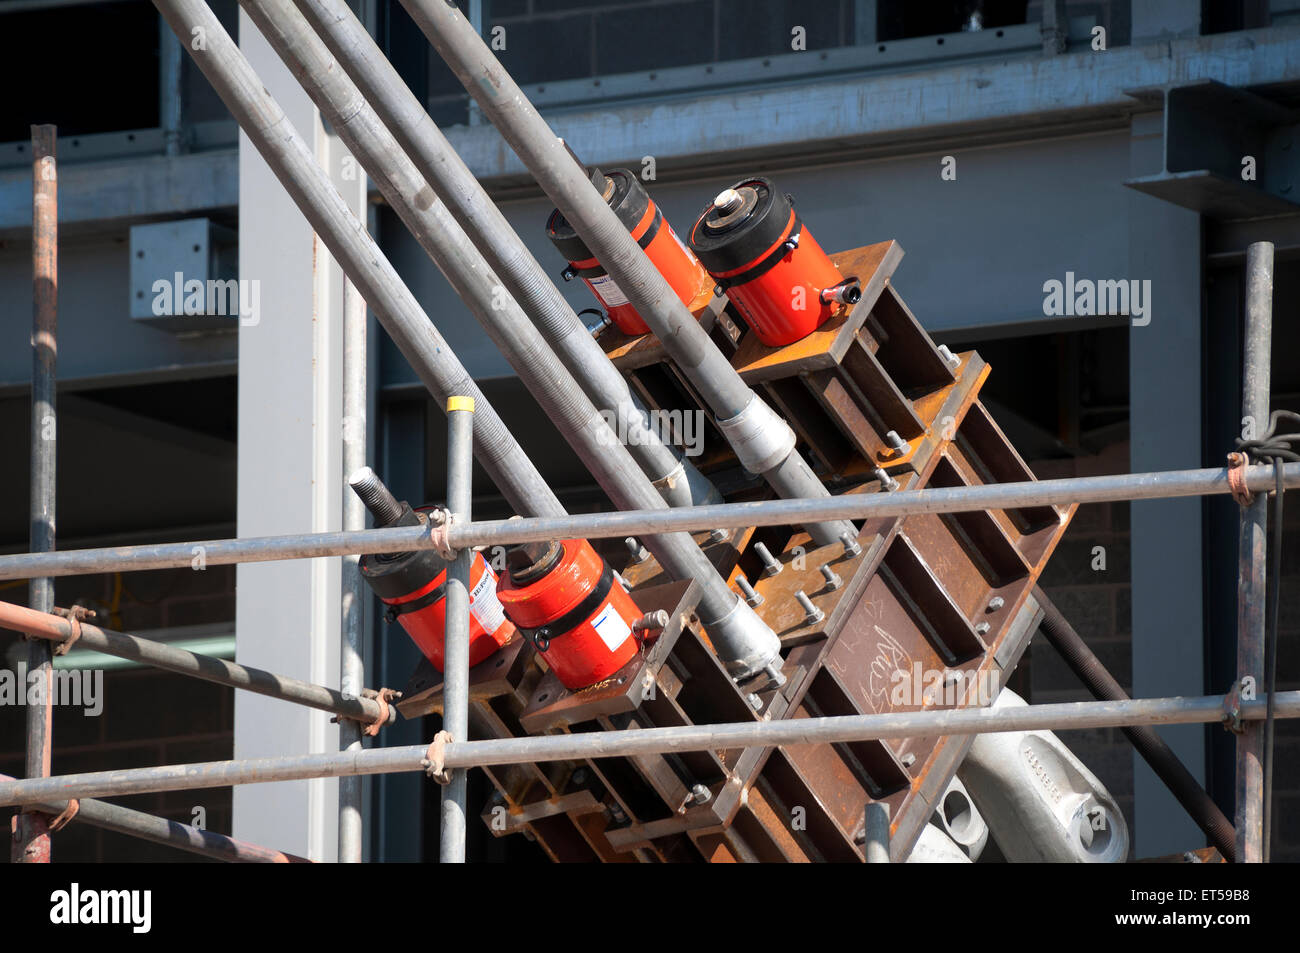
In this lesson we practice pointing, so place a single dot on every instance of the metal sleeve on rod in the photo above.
(568, 186)
(399, 109)
(289, 157)
(630, 742)
(1164, 484)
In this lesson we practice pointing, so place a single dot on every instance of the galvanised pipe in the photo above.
(1165, 484)
(455, 677)
(52, 628)
(643, 741)
(677, 480)
(347, 239)
(762, 440)
(1252, 549)
(744, 643)
(160, 830)
(351, 667)
(32, 842)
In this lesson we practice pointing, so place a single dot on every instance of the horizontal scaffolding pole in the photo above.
(169, 658)
(856, 506)
(632, 742)
(161, 830)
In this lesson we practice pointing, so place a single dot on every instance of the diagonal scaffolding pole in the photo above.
(162, 830)
(745, 644)
(763, 442)
(31, 842)
(676, 479)
(1251, 553)
(347, 239)
(1166, 484)
(643, 741)
(49, 628)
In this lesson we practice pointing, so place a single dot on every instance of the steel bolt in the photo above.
(898, 443)
(771, 565)
(983, 628)
(812, 615)
(996, 603)
(652, 621)
(755, 702)
(720, 535)
(376, 497)
(752, 597)
(638, 552)
(851, 547)
(701, 794)
(774, 672)
(887, 483)
(949, 358)
(908, 760)
(833, 581)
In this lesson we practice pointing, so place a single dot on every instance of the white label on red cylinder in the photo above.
(607, 291)
(611, 627)
(484, 604)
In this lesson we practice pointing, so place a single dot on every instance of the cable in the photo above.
(1277, 448)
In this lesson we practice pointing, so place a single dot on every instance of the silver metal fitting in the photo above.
(996, 603)
(851, 545)
(720, 535)
(833, 581)
(745, 643)
(812, 615)
(751, 596)
(758, 435)
(982, 628)
(771, 565)
(949, 358)
(887, 483)
(637, 551)
(898, 443)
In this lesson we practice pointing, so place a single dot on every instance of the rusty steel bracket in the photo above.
(1232, 710)
(440, 522)
(435, 758)
(75, 616)
(1237, 478)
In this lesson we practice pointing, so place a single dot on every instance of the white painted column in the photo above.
(287, 613)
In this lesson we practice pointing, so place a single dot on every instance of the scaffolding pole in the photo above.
(48, 628)
(1163, 484)
(644, 741)
(1251, 552)
(161, 830)
(31, 842)
(351, 666)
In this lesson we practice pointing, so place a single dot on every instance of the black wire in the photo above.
(1277, 448)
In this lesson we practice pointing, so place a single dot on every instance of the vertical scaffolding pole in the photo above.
(1251, 585)
(455, 690)
(351, 668)
(171, 90)
(32, 839)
